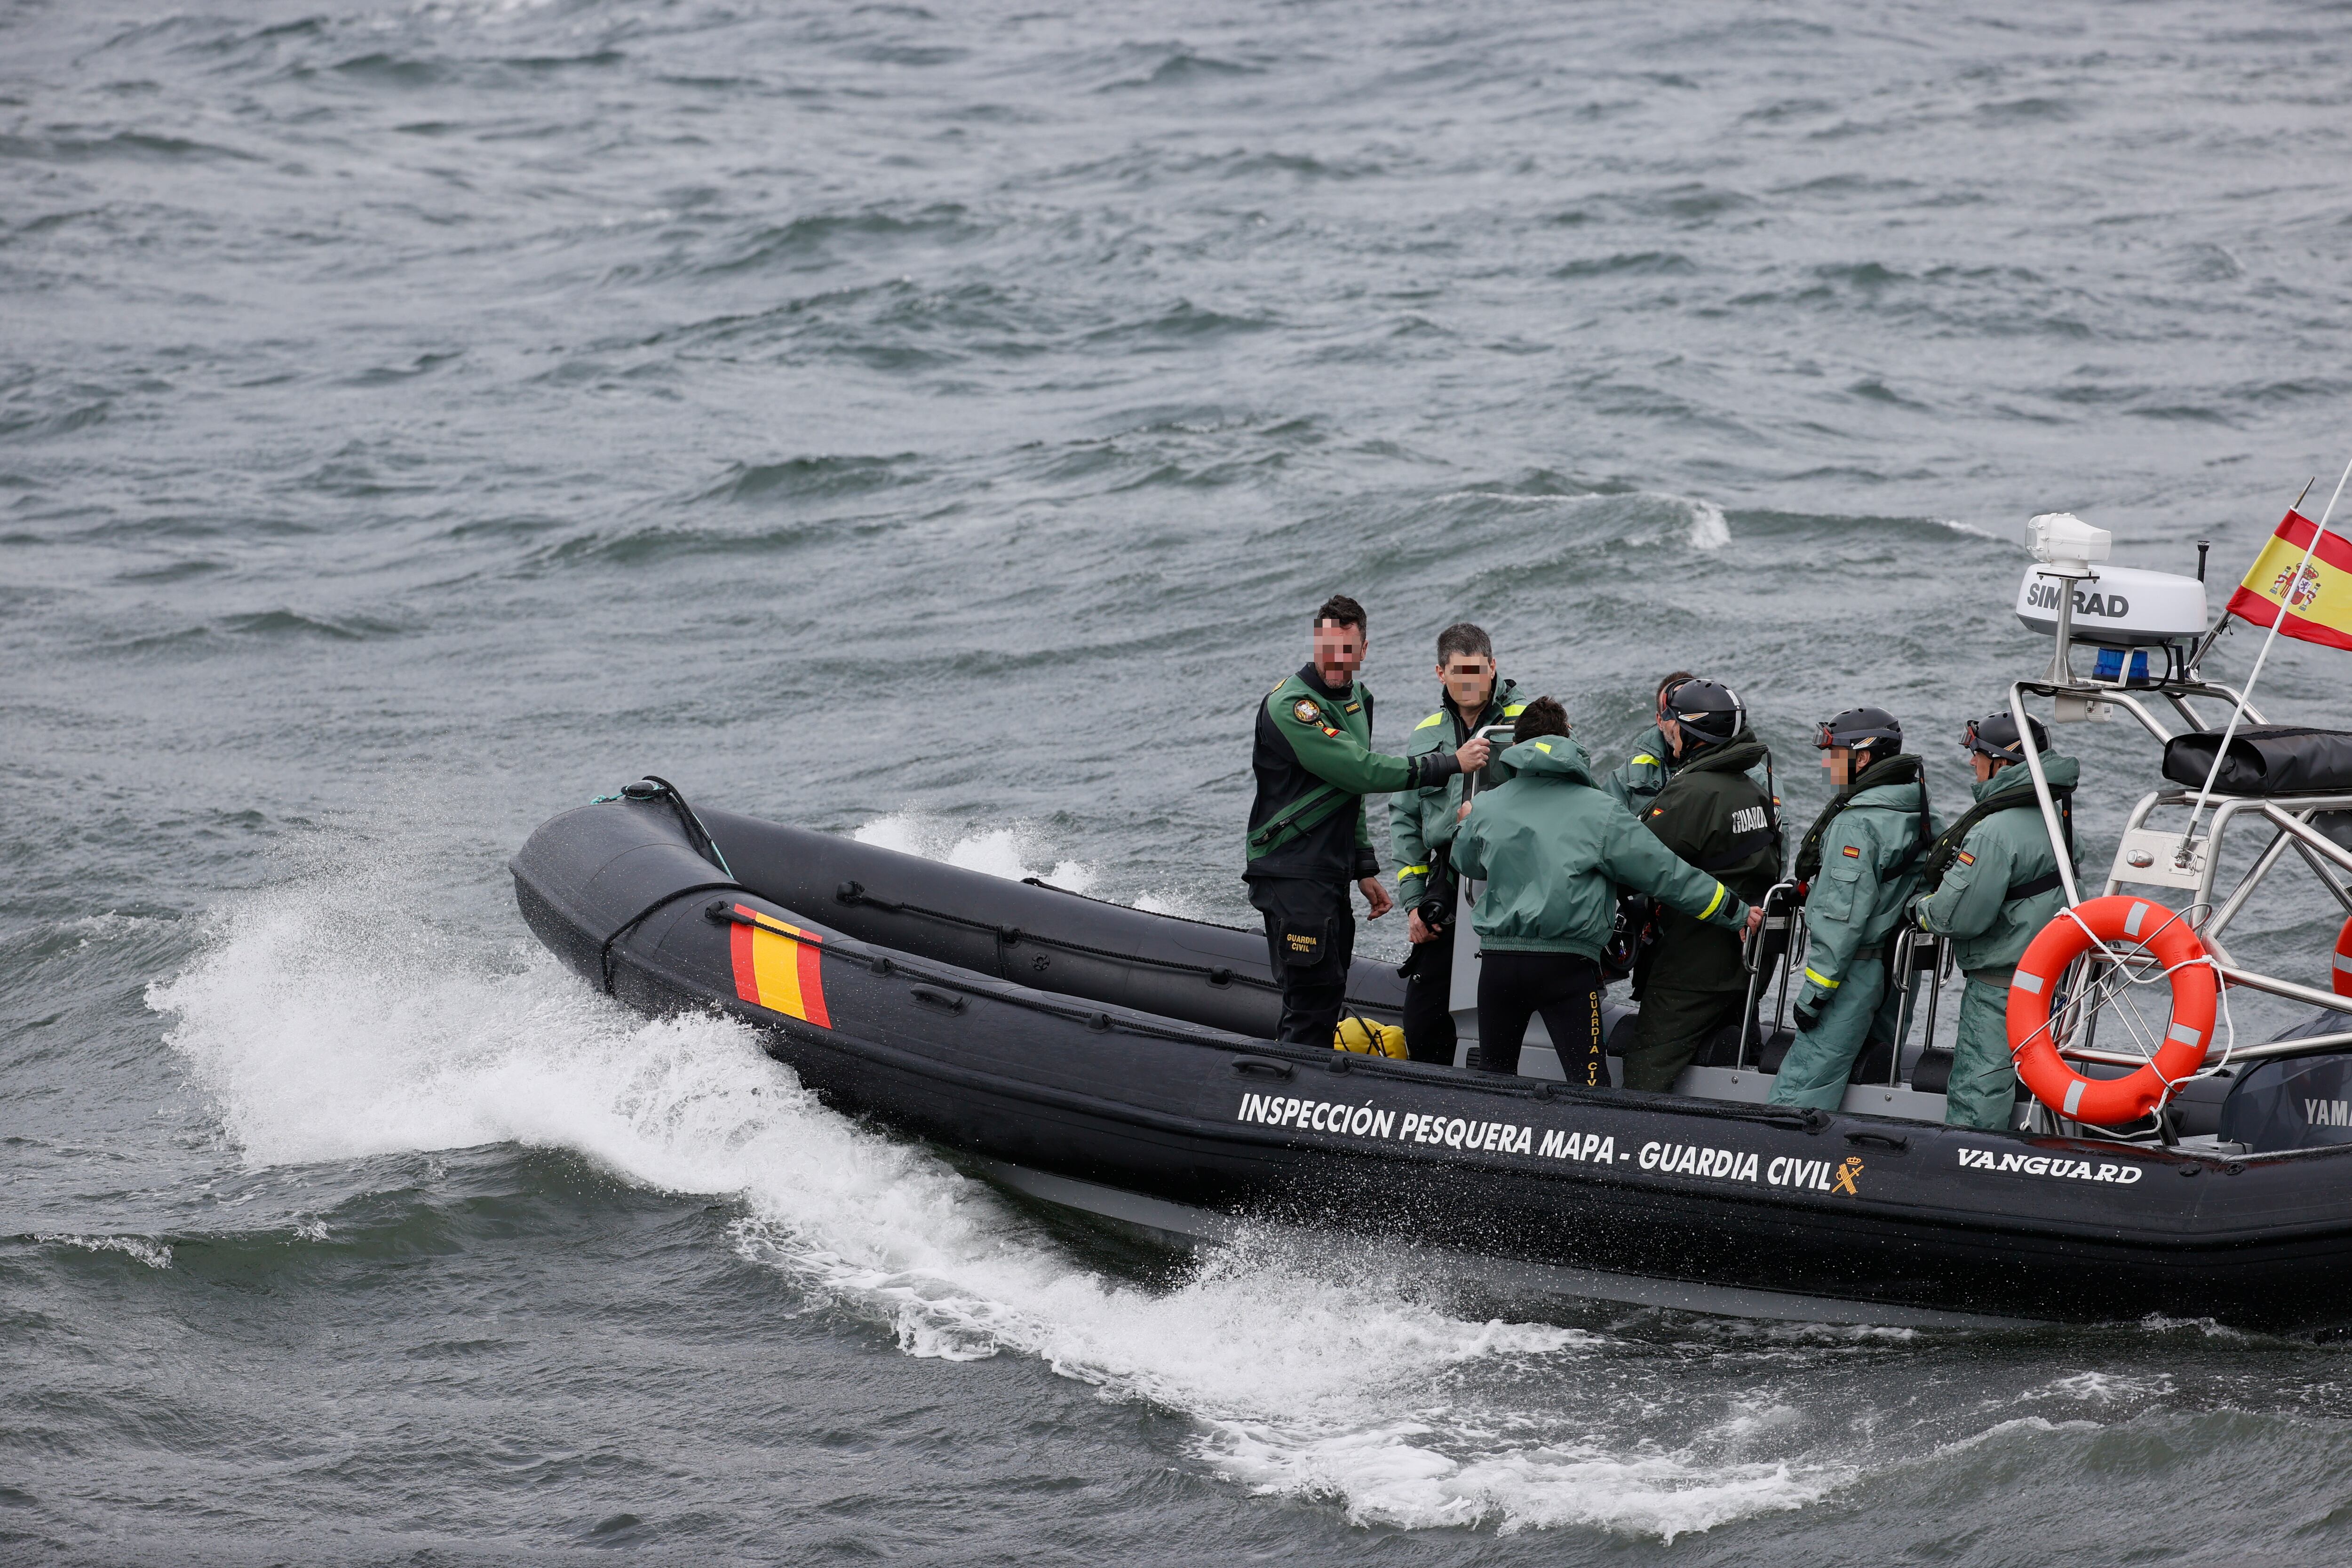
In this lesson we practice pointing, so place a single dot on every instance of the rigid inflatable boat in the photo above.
(1121, 1061)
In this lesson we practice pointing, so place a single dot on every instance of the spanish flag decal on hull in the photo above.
(779, 972)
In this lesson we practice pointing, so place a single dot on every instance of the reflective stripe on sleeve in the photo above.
(1643, 759)
(1404, 871)
(1715, 903)
(1818, 978)
(1434, 718)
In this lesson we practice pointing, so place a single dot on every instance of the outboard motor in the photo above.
(2293, 1102)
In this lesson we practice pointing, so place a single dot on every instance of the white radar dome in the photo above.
(2123, 607)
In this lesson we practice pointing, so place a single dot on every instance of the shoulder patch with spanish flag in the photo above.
(1852, 853)
(779, 972)
(1965, 858)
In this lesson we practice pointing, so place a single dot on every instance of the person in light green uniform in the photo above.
(1552, 848)
(1992, 884)
(1640, 776)
(1421, 831)
(1861, 865)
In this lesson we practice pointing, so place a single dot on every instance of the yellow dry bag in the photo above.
(1366, 1038)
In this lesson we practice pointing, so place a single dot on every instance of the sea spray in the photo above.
(328, 1027)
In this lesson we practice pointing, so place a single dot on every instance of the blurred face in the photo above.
(1985, 767)
(1839, 760)
(1673, 731)
(1339, 652)
(1469, 680)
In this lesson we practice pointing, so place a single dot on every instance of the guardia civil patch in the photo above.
(1305, 712)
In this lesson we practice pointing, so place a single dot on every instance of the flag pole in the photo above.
(2246, 692)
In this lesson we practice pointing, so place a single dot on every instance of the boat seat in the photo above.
(2266, 760)
(1932, 1073)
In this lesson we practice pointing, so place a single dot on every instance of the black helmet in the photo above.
(1708, 711)
(1996, 737)
(1875, 728)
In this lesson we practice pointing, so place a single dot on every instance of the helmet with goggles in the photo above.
(1874, 729)
(1995, 736)
(1708, 711)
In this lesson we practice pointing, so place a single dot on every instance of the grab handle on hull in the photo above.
(1258, 1067)
(939, 999)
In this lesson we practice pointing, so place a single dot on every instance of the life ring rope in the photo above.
(2124, 966)
(2035, 1028)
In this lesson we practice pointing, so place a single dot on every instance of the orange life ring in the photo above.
(2341, 975)
(2196, 997)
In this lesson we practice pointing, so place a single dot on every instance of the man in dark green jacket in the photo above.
(1712, 813)
(1552, 848)
(1308, 839)
(1993, 884)
(1421, 830)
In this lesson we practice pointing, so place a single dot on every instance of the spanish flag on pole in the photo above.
(2312, 601)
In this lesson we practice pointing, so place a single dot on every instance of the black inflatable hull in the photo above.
(1127, 1051)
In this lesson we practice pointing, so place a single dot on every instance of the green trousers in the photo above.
(1669, 1030)
(1819, 1064)
(1983, 1093)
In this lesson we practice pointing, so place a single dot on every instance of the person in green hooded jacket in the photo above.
(1553, 847)
(1713, 812)
(1993, 883)
(1860, 865)
(1421, 830)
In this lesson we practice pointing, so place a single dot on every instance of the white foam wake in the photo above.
(999, 851)
(332, 1021)
(1013, 853)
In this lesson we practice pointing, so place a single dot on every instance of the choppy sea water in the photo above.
(936, 424)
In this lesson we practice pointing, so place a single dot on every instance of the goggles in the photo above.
(1971, 741)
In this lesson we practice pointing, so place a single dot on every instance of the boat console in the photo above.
(2144, 635)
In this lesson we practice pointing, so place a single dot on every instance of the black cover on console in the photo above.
(2276, 759)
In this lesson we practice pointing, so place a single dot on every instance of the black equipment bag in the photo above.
(2274, 759)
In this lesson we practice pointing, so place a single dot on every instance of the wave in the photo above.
(1644, 516)
(333, 1020)
(154, 1254)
